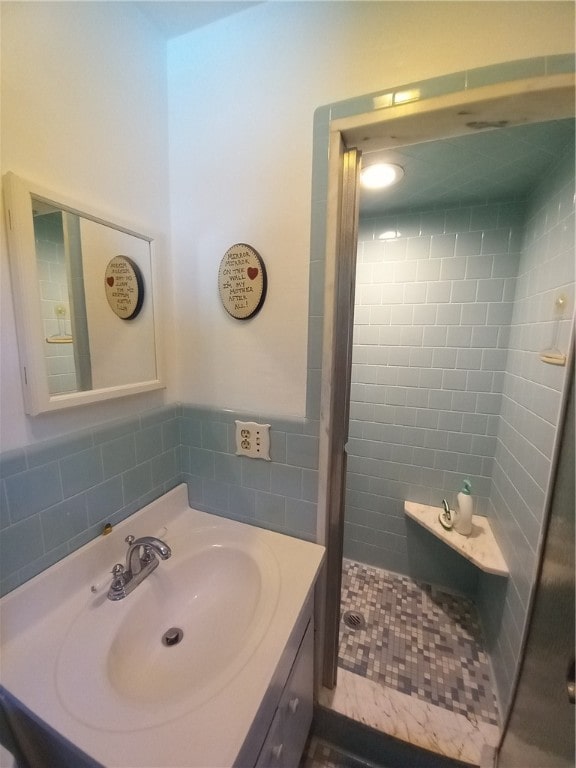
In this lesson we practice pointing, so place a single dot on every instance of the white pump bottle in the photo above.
(463, 521)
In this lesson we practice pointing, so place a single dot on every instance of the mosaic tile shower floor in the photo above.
(418, 640)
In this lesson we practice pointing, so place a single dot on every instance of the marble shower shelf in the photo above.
(481, 548)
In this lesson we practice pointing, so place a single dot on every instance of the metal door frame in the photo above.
(341, 271)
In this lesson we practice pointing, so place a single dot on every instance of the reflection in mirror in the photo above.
(122, 351)
(63, 306)
(77, 343)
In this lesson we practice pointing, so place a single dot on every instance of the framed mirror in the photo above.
(85, 304)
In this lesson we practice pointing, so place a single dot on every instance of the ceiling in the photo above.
(176, 17)
(497, 164)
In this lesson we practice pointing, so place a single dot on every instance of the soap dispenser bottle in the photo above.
(463, 521)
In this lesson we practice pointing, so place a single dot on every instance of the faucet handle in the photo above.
(118, 578)
(117, 587)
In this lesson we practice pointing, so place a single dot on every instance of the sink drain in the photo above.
(172, 636)
(354, 620)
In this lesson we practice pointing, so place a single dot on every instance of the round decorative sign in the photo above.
(124, 287)
(242, 281)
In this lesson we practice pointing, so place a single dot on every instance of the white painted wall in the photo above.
(83, 113)
(242, 95)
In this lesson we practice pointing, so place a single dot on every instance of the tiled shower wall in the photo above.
(530, 412)
(56, 496)
(437, 310)
(432, 316)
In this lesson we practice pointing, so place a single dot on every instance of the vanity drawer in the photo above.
(272, 753)
(289, 730)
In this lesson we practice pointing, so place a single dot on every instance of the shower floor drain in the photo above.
(354, 620)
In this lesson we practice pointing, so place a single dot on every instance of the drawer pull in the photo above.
(277, 751)
(293, 705)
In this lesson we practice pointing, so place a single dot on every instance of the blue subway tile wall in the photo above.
(279, 494)
(531, 403)
(432, 315)
(56, 496)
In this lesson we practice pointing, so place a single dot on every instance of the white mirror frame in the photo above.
(18, 194)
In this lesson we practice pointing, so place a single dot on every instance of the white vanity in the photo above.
(208, 662)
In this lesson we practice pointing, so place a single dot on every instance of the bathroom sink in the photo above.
(175, 673)
(176, 640)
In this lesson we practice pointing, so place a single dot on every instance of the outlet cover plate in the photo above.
(253, 440)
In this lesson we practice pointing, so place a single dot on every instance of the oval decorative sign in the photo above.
(124, 287)
(242, 281)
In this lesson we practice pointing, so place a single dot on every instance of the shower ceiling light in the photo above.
(380, 175)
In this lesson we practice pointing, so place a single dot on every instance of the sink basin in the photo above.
(177, 673)
(215, 602)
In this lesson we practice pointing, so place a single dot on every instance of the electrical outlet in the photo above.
(253, 440)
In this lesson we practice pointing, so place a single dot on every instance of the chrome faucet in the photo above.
(141, 560)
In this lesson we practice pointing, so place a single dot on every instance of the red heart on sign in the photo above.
(252, 272)
(110, 281)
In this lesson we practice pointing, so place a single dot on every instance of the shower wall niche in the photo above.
(454, 303)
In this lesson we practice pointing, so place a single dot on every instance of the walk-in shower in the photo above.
(464, 276)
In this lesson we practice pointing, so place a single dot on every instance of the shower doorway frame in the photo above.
(518, 102)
